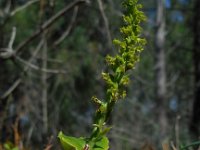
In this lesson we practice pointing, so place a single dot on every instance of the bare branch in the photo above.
(6, 53)
(12, 39)
(34, 54)
(49, 144)
(50, 60)
(106, 22)
(7, 8)
(30, 65)
(11, 89)
(18, 81)
(66, 33)
(44, 97)
(48, 23)
(173, 146)
(1, 13)
(23, 7)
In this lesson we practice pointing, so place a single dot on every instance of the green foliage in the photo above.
(100, 144)
(194, 144)
(72, 143)
(116, 79)
(10, 146)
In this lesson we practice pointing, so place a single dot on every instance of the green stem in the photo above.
(109, 110)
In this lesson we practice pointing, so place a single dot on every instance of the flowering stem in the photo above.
(117, 78)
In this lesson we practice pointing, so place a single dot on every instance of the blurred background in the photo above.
(51, 58)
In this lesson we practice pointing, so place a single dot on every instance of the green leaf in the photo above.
(7, 146)
(71, 143)
(10, 146)
(101, 144)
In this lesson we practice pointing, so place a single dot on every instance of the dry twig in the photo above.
(66, 33)
(106, 22)
(28, 65)
(8, 52)
(23, 7)
(47, 24)
(32, 66)
(173, 146)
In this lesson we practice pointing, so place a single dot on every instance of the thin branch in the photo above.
(7, 8)
(106, 22)
(32, 37)
(8, 52)
(44, 97)
(23, 7)
(66, 33)
(18, 81)
(48, 23)
(174, 47)
(11, 89)
(12, 39)
(51, 60)
(30, 65)
(38, 48)
(1, 13)
(142, 80)
(49, 144)
(173, 146)
(173, 79)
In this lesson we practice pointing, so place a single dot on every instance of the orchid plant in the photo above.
(117, 78)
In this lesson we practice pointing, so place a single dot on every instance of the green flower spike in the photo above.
(116, 79)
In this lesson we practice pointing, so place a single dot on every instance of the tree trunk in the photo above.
(160, 69)
(195, 120)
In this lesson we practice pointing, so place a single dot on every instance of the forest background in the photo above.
(51, 58)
